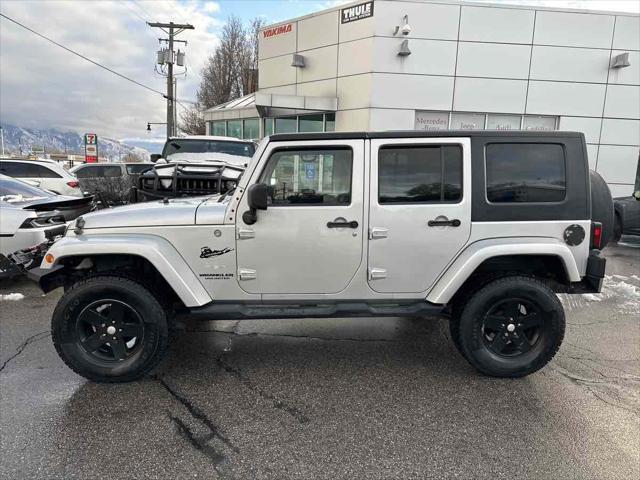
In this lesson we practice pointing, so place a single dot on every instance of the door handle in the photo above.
(342, 224)
(444, 223)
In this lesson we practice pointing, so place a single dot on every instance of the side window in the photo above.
(112, 171)
(86, 172)
(41, 171)
(525, 172)
(13, 169)
(419, 174)
(309, 177)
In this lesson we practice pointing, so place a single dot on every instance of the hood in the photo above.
(178, 211)
(236, 160)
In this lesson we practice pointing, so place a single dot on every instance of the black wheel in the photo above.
(110, 329)
(511, 327)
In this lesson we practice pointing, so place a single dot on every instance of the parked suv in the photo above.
(195, 165)
(111, 183)
(485, 227)
(45, 174)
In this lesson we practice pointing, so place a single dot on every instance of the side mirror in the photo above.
(257, 198)
(155, 157)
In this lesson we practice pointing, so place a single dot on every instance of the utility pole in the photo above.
(168, 57)
(2, 139)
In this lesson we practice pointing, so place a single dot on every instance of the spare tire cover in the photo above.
(602, 206)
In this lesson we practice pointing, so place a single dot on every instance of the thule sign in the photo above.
(357, 12)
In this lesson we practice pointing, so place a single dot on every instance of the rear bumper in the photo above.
(594, 276)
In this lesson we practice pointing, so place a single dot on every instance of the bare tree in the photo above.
(231, 71)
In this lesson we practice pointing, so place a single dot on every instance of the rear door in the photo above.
(420, 210)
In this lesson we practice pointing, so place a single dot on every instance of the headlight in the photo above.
(166, 183)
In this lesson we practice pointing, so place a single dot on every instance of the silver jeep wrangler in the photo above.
(484, 227)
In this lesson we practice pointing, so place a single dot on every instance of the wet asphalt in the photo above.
(386, 398)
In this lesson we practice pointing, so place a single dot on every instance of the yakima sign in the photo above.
(272, 32)
(357, 12)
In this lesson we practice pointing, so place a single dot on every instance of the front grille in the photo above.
(198, 185)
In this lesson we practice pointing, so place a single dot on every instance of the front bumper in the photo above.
(594, 276)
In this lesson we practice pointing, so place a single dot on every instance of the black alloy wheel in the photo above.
(512, 327)
(110, 330)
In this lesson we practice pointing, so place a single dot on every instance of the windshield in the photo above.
(13, 191)
(243, 149)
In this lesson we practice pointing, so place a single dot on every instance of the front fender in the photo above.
(471, 258)
(162, 255)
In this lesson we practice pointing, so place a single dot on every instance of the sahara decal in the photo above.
(206, 252)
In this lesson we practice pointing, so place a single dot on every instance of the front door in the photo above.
(420, 210)
(310, 238)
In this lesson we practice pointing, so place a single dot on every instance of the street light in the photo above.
(154, 123)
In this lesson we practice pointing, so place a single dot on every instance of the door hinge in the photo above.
(378, 232)
(244, 233)
(377, 273)
(247, 274)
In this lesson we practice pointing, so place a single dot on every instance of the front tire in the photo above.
(110, 329)
(511, 327)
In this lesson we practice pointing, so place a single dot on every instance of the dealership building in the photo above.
(438, 65)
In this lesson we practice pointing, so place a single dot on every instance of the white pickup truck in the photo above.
(483, 226)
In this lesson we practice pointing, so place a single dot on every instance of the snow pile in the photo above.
(616, 289)
(11, 296)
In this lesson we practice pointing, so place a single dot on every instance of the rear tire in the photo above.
(511, 327)
(110, 329)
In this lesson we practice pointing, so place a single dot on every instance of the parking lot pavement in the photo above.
(348, 398)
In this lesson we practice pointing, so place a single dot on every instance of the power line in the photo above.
(83, 57)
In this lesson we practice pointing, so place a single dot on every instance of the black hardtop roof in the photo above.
(285, 137)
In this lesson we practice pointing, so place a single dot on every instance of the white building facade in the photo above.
(401, 65)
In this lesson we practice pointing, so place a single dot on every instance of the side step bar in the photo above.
(235, 311)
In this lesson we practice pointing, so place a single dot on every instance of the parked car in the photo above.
(46, 174)
(23, 195)
(627, 220)
(484, 226)
(28, 213)
(196, 165)
(111, 183)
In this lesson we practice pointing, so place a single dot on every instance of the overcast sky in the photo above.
(43, 86)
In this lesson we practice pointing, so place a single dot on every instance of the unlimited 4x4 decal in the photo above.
(206, 252)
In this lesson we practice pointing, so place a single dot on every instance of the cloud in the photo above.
(41, 85)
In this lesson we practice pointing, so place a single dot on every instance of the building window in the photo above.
(431, 121)
(268, 126)
(503, 122)
(477, 121)
(218, 128)
(251, 128)
(329, 122)
(534, 122)
(467, 121)
(286, 125)
(420, 174)
(234, 128)
(525, 172)
(309, 177)
(311, 123)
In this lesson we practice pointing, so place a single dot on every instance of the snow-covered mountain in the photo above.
(18, 139)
